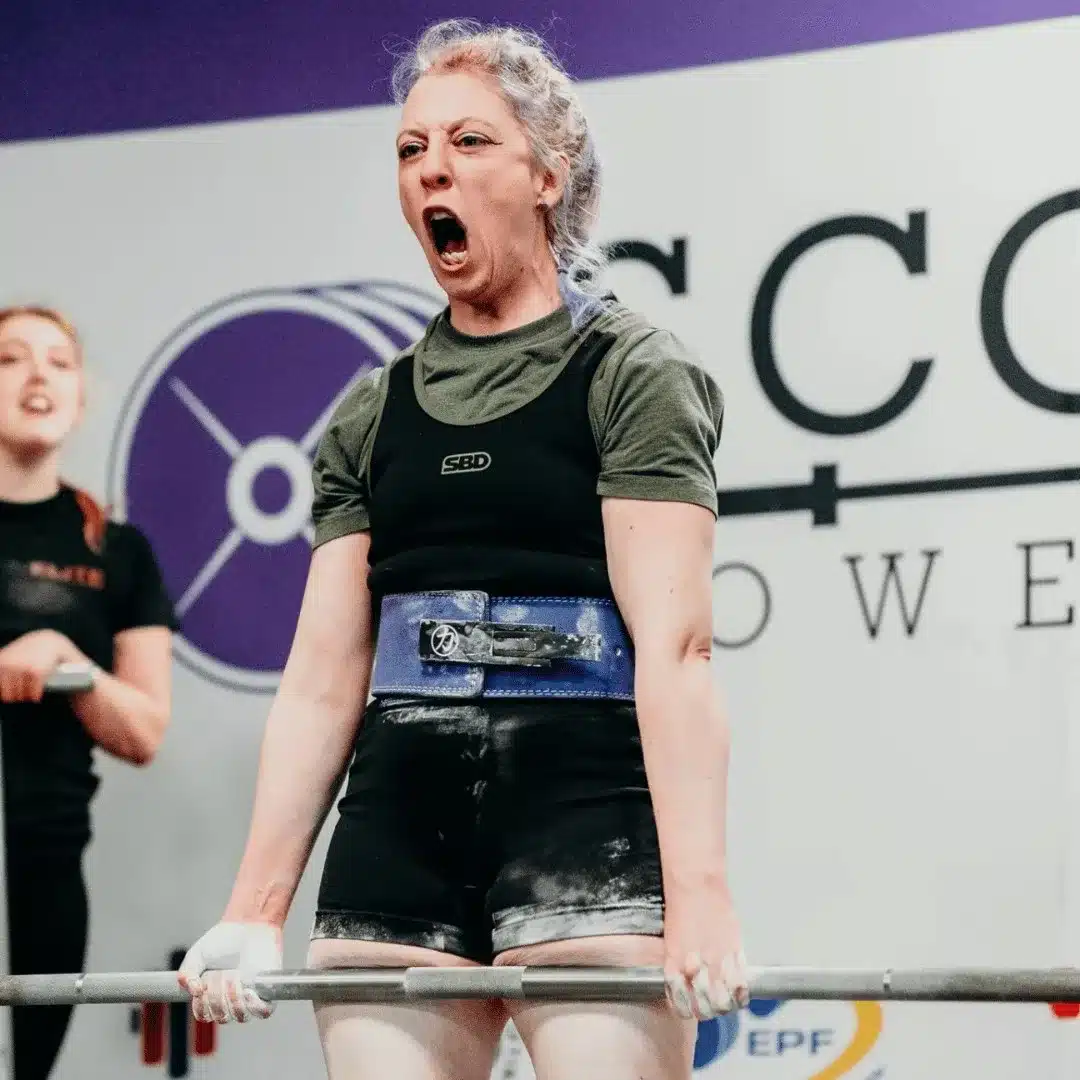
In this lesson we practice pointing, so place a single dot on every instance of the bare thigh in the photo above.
(633, 1041)
(443, 1040)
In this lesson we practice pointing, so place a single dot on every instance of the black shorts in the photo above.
(472, 828)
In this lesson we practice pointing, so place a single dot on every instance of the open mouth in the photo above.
(448, 236)
(37, 404)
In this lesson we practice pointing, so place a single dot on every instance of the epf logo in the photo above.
(775, 1040)
(213, 456)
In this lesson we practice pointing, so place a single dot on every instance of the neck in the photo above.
(530, 295)
(28, 478)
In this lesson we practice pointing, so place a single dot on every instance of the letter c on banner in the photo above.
(766, 605)
(995, 336)
(910, 245)
(672, 268)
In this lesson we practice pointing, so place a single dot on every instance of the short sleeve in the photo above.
(658, 416)
(142, 598)
(339, 472)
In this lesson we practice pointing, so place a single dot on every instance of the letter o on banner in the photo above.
(756, 580)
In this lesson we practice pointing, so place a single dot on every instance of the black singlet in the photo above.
(508, 506)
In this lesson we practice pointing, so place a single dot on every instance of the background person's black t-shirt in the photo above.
(64, 567)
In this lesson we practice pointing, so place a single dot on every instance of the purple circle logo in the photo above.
(212, 457)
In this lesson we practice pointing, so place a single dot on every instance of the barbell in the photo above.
(1017, 985)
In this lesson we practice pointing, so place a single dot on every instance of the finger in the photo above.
(35, 686)
(733, 970)
(701, 986)
(234, 997)
(697, 979)
(30, 689)
(679, 995)
(718, 994)
(218, 1009)
(256, 1006)
(215, 997)
(200, 1009)
(11, 687)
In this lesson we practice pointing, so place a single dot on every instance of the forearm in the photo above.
(686, 745)
(309, 738)
(119, 717)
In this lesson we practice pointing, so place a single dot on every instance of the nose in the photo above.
(36, 375)
(435, 172)
(39, 369)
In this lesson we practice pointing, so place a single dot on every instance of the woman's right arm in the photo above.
(310, 730)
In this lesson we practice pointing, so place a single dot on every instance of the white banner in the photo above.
(877, 252)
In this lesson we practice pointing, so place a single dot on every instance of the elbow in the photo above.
(321, 680)
(695, 646)
(144, 747)
(141, 755)
(686, 646)
(675, 668)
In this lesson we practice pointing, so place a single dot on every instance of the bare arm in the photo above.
(660, 563)
(127, 712)
(309, 732)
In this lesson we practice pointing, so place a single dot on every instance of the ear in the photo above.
(551, 183)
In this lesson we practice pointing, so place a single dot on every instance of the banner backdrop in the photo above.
(876, 251)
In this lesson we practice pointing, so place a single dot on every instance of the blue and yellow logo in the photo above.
(796, 1040)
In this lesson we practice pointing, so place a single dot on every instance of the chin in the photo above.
(471, 286)
(29, 445)
(463, 290)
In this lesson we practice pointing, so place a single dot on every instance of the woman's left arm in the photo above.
(126, 713)
(660, 556)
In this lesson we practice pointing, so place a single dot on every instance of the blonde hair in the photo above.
(543, 99)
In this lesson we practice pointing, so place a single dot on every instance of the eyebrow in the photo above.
(451, 127)
(66, 351)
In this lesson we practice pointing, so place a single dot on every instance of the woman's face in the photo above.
(41, 384)
(469, 186)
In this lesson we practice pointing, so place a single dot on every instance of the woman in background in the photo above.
(75, 588)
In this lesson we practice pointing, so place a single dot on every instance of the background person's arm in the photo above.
(127, 711)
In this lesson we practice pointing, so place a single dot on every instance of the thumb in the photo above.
(192, 967)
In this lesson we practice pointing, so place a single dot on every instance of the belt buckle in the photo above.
(452, 641)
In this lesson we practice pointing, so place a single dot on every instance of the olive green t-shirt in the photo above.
(655, 414)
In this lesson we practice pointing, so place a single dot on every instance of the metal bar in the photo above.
(561, 984)
(68, 678)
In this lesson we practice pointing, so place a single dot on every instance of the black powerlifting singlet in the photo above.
(508, 506)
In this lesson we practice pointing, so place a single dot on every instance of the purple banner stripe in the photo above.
(71, 67)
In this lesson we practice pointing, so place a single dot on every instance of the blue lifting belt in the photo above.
(467, 644)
